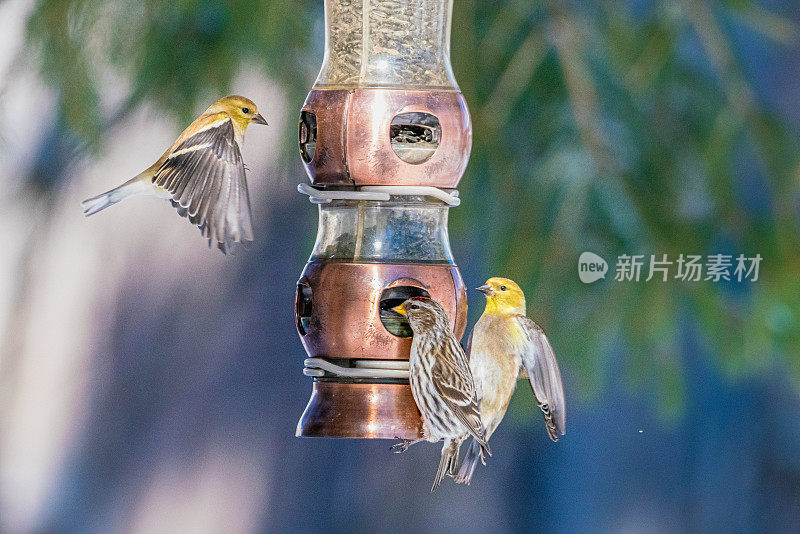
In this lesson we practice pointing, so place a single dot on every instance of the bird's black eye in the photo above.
(245, 110)
(502, 288)
(414, 307)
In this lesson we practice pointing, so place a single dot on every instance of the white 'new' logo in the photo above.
(591, 267)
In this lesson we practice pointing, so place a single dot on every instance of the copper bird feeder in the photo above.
(385, 136)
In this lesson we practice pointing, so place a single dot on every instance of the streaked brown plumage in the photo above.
(505, 345)
(202, 174)
(442, 385)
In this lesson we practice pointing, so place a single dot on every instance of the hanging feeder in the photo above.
(385, 136)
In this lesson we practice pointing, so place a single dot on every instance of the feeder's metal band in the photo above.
(317, 367)
(378, 192)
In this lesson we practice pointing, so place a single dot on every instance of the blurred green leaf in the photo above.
(601, 129)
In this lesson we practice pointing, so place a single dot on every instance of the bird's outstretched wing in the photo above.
(454, 383)
(545, 377)
(205, 177)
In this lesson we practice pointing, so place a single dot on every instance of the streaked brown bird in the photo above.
(505, 345)
(202, 174)
(442, 385)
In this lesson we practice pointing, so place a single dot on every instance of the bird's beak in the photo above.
(399, 309)
(259, 119)
(485, 289)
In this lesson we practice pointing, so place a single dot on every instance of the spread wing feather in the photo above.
(544, 375)
(205, 177)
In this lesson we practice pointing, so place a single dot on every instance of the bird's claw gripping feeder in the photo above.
(385, 136)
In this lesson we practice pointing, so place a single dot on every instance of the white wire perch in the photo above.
(317, 367)
(379, 193)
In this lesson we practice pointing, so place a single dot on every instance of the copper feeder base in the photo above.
(360, 410)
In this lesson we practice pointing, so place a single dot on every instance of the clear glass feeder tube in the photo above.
(387, 43)
(404, 229)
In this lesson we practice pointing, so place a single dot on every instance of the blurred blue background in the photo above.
(149, 384)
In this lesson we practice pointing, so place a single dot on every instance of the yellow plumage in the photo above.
(504, 346)
(202, 174)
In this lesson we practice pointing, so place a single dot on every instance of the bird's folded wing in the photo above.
(545, 377)
(453, 381)
(205, 177)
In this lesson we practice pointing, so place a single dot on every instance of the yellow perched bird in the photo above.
(505, 345)
(202, 174)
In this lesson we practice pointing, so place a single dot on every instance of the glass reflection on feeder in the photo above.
(407, 229)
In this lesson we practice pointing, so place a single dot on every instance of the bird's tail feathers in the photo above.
(475, 453)
(135, 186)
(448, 462)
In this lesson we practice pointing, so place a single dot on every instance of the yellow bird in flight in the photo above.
(202, 174)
